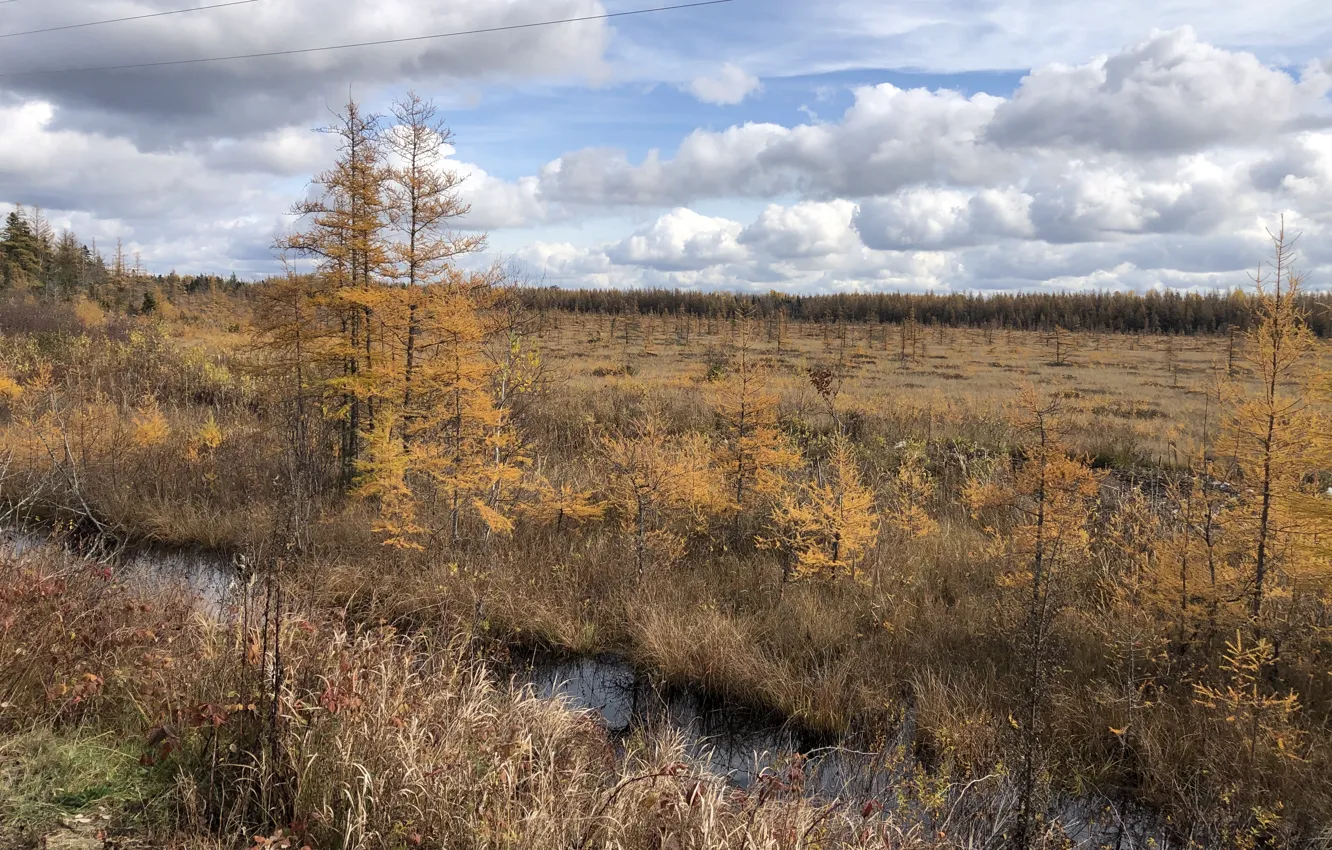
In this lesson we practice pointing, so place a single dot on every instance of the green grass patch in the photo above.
(47, 777)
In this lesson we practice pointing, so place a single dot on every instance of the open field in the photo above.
(1143, 400)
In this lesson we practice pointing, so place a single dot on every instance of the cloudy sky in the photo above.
(760, 144)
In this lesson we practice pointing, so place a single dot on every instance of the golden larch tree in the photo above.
(1040, 532)
(1270, 432)
(824, 526)
(752, 449)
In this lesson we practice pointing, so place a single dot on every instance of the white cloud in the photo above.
(934, 219)
(1158, 164)
(889, 138)
(681, 240)
(806, 229)
(730, 85)
(1171, 93)
(1166, 97)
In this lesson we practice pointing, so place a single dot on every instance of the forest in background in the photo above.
(32, 255)
(1153, 312)
(1076, 565)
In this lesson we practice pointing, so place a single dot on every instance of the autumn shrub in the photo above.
(78, 646)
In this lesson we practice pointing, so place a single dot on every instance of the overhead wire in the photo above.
(381, 42)
(123, 20)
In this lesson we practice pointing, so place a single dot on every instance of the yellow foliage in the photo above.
(556, 505)
(89, 313)
(914, 486)
(753, 451)
(1262, 719)
(1273, 435)
(826, 525)
(10, 389)
(210, 434)
(150, 426)
(654, 473)
(1048, 504)
(383, 476)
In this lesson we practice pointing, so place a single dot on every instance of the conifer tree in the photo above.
(383, 477)
(654, 475)
(824, 526)
(913, 487)
(457, 414)
(344, 230)
(1040, 533)
(19, 250)
(68, 265)
(423, 203)
(1270, 433)
(752, 449)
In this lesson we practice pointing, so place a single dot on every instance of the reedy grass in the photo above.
(927, 630)
(373, 739)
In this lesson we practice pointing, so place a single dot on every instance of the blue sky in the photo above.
(518, 129)
(839, 145)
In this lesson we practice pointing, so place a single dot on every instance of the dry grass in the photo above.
(373, 739)
(929, 632)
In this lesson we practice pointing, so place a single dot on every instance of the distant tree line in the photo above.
(34, 258)
(1105, 312)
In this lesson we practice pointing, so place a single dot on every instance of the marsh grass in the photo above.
(371, 738)
(928, 632)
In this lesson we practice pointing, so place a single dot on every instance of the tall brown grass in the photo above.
(930, 632)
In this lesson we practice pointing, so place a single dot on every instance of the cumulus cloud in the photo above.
(936, 219)
(1171, 93)
(1154, 165)
(729, 86)
(1169, 96)
(889, 138)
(681, 240)
(806, 229)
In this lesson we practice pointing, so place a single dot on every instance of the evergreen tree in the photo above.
(19, 250)
(69, 262)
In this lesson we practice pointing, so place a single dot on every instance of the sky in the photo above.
(843, 145)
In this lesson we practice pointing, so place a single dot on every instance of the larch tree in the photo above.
(752, 450)
(424, 206)
(450, 436)
(912, 490)
(825, 525)
(655, 475)
(518, 380)
(384, 478)
(1041, 535)
(344, 229)
(1270, 431)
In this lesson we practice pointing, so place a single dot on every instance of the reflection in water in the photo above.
(742, 745)
(208, 577)
(735, 741)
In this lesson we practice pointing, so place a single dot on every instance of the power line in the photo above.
(130, 18)
(303, 50)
